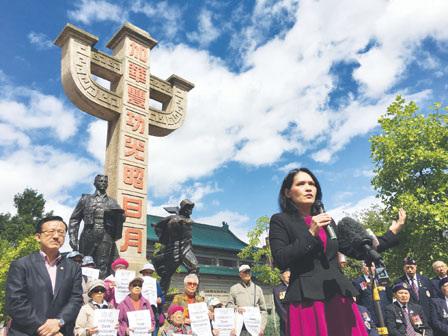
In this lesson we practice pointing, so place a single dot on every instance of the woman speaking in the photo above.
(319, 295)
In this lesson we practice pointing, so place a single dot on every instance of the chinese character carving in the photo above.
(136, 122)
(138, 51)
(133, 176)
(132, 207)
(136, 96)
(134, 148)
(132, 238)
(137, 73)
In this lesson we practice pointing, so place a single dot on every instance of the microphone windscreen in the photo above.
(351, 238)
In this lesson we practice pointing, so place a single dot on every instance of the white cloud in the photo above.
(40, 40)
(350, 209)
(89, 11)
(10, 136)
(290, 166)
(238, 223)
(280, 103)
(30, 109)
(207, 32)
(96, 142)
(47, 169)
(168, 16)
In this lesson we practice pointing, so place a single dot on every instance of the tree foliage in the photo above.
(7, 255)
(30, 209)
(411, 171)
(263, 267)
(17, 234)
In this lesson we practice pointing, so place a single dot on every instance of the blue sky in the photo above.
(278, 84)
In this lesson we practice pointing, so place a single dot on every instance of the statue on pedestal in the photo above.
(175, 235)
(103, 224)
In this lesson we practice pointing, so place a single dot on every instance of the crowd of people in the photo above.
(47, 294)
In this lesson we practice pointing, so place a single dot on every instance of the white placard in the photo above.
(92, 273)
(149, 290)
(252, 320)
(239, 321)
(122, 280)
(140, 322)
(106, 320)
(224, 320)
(200, 322)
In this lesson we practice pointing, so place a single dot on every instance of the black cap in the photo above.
(443, 281)
(399, 286)
(409, 261)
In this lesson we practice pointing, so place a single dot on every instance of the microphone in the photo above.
(355, 242)
(318, 209)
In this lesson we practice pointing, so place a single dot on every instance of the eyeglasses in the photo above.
(97, 290)
(192, 284)
(50, 233)
(136, 285)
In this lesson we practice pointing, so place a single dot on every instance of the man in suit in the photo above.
(279, 298)
(440, 269)
(404, 318)
(43, 290)
(420, 287)
(439, 310)
(364, 287)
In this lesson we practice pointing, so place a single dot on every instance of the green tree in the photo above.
(17, 234)
(30, 209)
(7, 255)
(410, 156)
(263, 267)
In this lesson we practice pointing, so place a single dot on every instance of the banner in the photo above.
(122, 280)
(200, 322)
(149, 290)
(140, 323)
(91, 273)
(224, 320)
(106, 320)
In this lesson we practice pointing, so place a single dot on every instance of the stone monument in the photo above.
(126, 109)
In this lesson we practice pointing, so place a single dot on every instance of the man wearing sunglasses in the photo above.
(247, 294)
(43, 290)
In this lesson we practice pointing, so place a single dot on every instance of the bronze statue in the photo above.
(175, 235)
(103, 224)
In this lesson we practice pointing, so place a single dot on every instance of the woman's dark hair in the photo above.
(49, 219)
(285, 203)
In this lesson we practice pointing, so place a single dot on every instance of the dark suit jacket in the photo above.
(369, 323)
(315, 274)
(279, 292)
(435, 282)
(396, 322)
(439, 317)
(387, 241)
(29, 296)
(426, 291)
(365, 297)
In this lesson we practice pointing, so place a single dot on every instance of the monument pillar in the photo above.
(130, 118)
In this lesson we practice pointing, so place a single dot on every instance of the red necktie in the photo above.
(414, 287)
(409, 328)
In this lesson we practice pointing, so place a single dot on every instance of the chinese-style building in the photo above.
(216, 249)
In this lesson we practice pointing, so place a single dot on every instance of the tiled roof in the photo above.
(214, 270)
(204, 235)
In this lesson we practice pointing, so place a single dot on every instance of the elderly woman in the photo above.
(85, 322)
(175, 324)
(134, 301)
(319, 295)
(119, 263)
(191, 282)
